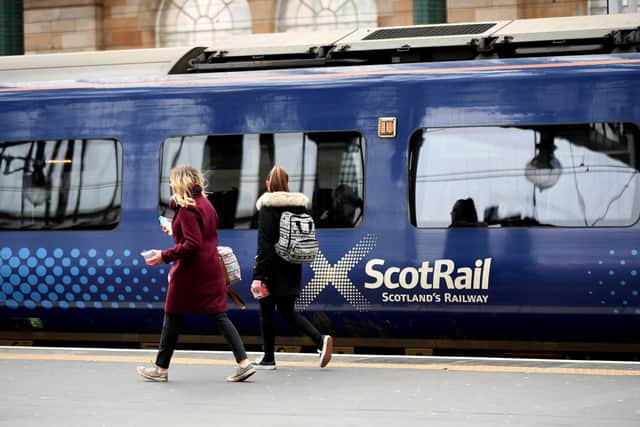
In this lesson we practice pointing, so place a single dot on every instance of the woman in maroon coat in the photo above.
(196, 280)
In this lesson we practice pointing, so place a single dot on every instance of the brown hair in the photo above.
(278, 179)
(183, 180)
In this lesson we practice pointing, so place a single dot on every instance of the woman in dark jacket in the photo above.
(196, 280)
(282, 279)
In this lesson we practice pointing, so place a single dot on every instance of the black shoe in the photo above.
(265, 365)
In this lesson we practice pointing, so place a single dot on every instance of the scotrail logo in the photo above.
(428, 281)
(440, 282)
(441, 275)
(337, 275)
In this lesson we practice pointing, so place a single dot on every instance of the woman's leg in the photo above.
(245, 369)
(286, 309)
(169, 338)
(268, 328)
(231, 335)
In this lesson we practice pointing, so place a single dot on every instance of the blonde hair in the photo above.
(278, 179)
(183, 179)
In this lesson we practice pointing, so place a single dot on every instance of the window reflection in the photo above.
(60, 184)
(578, 175)
(326, 166)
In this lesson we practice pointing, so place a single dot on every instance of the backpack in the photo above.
(297, 243)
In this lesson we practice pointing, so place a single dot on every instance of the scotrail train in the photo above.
(470, 188)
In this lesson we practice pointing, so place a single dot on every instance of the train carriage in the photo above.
(476, 190)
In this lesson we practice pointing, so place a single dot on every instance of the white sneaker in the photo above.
(153, 374)
(327, 350)
(259, 363)
(242, 374)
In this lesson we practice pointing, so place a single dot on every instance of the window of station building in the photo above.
(60, 184)
(200, 22)
(328, 167)
(570, 175)
(301, 15)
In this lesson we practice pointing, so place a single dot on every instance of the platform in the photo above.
(95, 387)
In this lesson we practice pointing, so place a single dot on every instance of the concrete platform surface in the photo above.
(95, 387)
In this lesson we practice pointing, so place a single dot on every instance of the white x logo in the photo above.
(338, 276)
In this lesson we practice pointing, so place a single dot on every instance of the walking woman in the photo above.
(282, 279)
(196, 281)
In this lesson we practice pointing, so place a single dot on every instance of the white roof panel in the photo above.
(90, 65)
(570, 27)
(276, 43)
(398, 37)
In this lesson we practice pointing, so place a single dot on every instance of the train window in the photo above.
(570, 175)
(60, 184)
(326, 166)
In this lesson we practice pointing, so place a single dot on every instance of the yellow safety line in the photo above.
(335, 364)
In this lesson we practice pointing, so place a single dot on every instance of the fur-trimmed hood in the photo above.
(282, 199)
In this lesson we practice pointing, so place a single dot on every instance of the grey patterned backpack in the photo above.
(297, 242)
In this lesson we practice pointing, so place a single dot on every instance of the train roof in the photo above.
(389, 45)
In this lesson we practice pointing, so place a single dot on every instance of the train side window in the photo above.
(326, 166)
(569, 175)
(60, 184)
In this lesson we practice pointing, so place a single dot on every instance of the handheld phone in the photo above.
(166, 222)
(261, 292)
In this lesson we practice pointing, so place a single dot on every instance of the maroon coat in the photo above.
(197, 282)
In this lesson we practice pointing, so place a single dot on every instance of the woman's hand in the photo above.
(256, 285)
(166, 227)
(156, 258)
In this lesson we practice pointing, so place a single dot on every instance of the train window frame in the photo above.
(491, 218)
(51, 177)
(268, 153)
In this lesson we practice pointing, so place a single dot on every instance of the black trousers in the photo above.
(171, 330)
(285, 306)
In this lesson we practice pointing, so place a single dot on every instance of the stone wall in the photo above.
(129, 24)
(491, 10)
(76, 25)
(551, 8)
(395, 13)
(598, 7)
(63, 25)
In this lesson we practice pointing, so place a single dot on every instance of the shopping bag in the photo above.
(230, 265)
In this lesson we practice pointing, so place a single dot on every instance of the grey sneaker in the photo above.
(326, 351)
(264, 365)
(152, 374)
(242, 373)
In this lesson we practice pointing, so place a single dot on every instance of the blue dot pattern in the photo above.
(615, 282)
(71, 278)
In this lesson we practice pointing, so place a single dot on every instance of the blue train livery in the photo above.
(475, 199)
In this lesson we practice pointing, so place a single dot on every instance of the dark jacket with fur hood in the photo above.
(281, 277)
